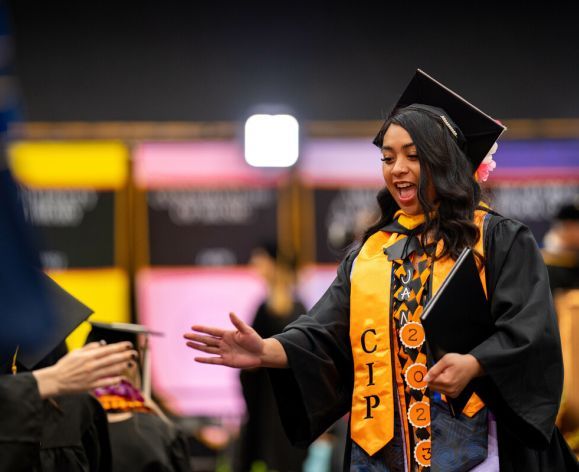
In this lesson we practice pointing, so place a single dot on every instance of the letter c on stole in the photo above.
(363, 341)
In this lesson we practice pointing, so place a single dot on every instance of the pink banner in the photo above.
(200, 164)
(171, 301)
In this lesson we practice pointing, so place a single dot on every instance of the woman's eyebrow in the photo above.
(390, 148)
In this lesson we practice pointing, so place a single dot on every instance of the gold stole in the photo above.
(372, 415)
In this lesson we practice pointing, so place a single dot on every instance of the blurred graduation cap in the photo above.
(26, 315)
(477, 130)
(568, 211)
(68, 312)
(134, 333)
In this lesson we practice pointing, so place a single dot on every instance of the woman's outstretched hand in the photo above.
(242, 348)
(451, 374)
(94, 365)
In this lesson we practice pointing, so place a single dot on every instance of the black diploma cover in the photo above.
(457, 318)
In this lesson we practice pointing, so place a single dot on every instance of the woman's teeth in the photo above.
(406, 190)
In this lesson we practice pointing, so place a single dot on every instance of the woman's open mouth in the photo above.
(406, 191)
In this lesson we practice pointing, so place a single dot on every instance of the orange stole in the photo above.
(116, 403)
(372, 415)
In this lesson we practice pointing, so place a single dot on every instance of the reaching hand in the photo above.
(451, 374)
(243, 348)
(85, 369)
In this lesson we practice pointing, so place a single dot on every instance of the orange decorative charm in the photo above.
(412, 335)
(415, 376)
(423, 453)
(419, 414)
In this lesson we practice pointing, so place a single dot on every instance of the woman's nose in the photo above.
(400, 167)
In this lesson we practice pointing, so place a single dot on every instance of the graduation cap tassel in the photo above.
(14, 367)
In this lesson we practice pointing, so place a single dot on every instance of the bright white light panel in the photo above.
(271, 140)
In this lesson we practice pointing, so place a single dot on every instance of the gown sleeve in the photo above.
(21, 422)
(316, 389)
(522, 360)
(75, 435)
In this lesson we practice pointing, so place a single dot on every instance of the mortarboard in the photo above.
(25, 314)
(68, 312)
(480, 131)
(118, 332)
(568, 212)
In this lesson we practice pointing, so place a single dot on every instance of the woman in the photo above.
(361, 348)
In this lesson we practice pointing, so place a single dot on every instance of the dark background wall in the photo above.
(168, 60)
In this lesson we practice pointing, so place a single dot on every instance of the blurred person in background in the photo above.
(142, 437)
(561, 254)
(561, 248)
(263, 444)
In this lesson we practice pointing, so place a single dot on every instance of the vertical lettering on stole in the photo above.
(372, 401)
(369, 406)
(370, 374)
(363, 341)
(405, 295)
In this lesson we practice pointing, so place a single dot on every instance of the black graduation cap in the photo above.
(119, 332)
(68, 312)
(480, 131)
(568, 211)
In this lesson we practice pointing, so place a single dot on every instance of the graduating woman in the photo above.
(362, 346)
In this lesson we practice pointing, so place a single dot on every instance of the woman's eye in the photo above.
(387, 159)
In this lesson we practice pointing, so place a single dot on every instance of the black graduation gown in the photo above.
(21, 413)
(262, 437)
(522, 359)
(145, 442)
(66, 434)
(75, 435)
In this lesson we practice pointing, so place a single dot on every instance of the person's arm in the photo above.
(85, 369)
(242, 348)
(316, 387)
(522, 360)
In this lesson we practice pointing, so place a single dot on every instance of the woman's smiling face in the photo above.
(401, 169)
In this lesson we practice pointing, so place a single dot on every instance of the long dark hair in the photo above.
(442, 162)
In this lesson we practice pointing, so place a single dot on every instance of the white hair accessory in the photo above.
(449, 126)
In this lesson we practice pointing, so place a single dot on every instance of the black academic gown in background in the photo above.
(75, 435)
(146, 443)
(21, 414)
(522, 359)
(262, 437)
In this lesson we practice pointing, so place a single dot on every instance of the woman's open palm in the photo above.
(242, 348)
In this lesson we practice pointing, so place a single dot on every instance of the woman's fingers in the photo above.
(91, 346)
(120, 359)
(198, 338)
(210, 360)
(114, 370)
(217, 332)
(239, 324)
(106, 381)
(436, 370)
(109, 349)
(203, 348)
